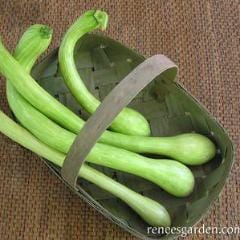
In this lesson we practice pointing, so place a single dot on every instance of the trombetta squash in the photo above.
(32, 44)
(53, 127)
(172, 176)
(57, 137)
(200, 148)
(149, 210)
(128, 121)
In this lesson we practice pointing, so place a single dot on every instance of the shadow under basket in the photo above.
(102, 63)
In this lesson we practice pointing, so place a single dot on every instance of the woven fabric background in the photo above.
(202, 37)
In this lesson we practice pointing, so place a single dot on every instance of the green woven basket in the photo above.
(170, 110)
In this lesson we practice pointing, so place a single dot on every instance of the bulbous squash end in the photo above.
(193, 149)
(154, 213)
(131, 122)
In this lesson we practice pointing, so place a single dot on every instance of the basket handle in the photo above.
(113, 103)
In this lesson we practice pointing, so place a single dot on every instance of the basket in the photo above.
(170, 110)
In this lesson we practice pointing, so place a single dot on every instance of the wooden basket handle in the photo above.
(111, 106)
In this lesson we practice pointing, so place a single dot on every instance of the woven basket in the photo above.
(170, 110)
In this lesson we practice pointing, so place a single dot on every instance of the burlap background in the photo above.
(202, 37)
